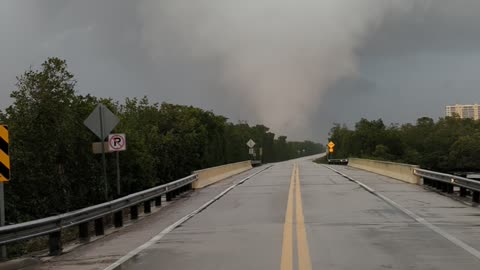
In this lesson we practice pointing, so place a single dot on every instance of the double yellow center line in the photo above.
(304, 261)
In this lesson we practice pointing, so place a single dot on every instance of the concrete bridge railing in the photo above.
(212, 175)
(400, 171)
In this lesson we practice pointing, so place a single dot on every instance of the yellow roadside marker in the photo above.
(4, 157)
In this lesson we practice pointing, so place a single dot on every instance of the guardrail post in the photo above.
(476, 196)
(99, 228)
(134, 212)
(463, 192)
(147, 207)
(83, 232)
(55, 243)
(444, 187)
(158, 201)
(450, 188)
(169, 196)
(118, 219)
(439, 185)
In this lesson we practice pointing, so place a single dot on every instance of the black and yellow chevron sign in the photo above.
(4, 157)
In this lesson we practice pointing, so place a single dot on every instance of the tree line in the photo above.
(450, 144)
(55, 171)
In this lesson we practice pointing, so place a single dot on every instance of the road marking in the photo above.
(170, 228)
(303, 252)
(415, 217)
(287, 245)
(304, 261)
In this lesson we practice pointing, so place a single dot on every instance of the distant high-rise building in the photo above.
(464, 111)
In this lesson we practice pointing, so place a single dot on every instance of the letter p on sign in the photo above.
(117, 142)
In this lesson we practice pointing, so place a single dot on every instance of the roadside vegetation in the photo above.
(449, 144)
(55, 171)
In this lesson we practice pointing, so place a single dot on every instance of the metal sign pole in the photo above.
(118, 173)
(5, 175)
(104, 160)
(101, 122)
(3, 249)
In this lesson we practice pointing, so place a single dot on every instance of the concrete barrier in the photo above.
(212, 175)
(400, 171)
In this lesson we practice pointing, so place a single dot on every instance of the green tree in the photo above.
(464, 154)
(446, 145)
(48, 143)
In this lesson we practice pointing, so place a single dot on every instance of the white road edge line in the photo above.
(170, 228)
(414, 216)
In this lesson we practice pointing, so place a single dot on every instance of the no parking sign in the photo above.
(117, 142)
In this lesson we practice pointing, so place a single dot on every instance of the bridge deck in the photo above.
(257, 226)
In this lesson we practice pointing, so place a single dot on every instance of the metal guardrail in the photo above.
(447, 182)
(53, 226)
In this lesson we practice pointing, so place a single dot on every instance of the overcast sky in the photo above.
(296, 66)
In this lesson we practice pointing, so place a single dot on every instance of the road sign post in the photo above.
(4, 177)
(250, 145)
(101, 122)
(117, 143)
(117, 162)
(104, 159)
(3, 249)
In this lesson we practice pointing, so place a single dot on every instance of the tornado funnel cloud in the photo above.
(276, 57)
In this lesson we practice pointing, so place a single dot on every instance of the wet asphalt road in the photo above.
(344, 226)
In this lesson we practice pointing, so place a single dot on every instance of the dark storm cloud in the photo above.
(444, 26)
(99, 39)
(418, 62)
(402, 62)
